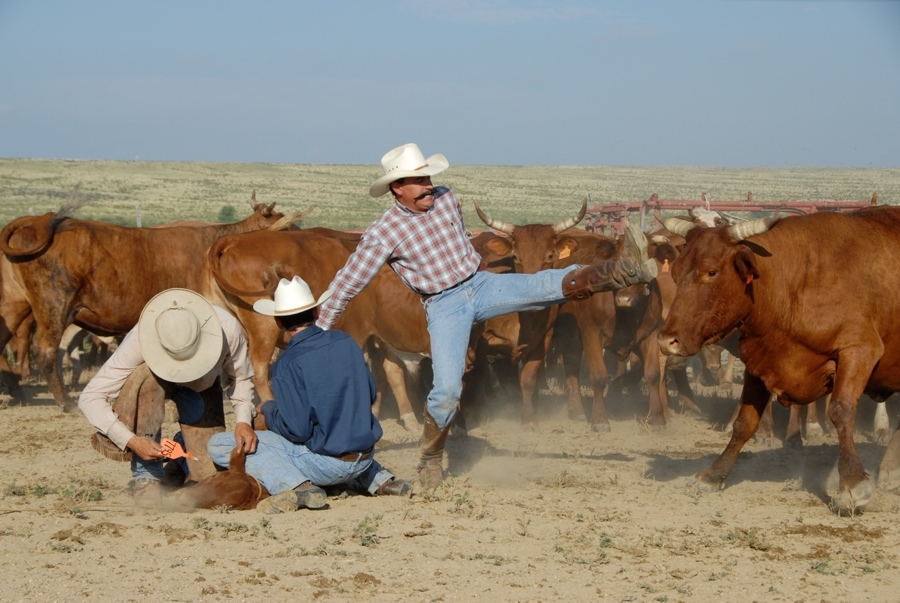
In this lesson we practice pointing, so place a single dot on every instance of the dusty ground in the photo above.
(560, 514)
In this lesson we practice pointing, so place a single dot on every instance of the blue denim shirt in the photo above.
(323, 394)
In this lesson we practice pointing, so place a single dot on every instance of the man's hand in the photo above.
(245, 438)
(146, 448)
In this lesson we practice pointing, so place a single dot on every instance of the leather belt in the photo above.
(351, 457)
(451, 287)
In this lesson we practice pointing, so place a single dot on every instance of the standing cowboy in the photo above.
(422, 236)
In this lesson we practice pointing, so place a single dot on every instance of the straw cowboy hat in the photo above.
(180, 335)
(404, 162)
(291, 297)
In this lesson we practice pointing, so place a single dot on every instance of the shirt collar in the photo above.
(407, 211)
(305, 334)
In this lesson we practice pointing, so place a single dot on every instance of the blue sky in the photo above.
(530, 82)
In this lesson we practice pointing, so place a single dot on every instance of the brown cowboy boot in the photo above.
(632, 267)
(197, 434)
(430, 469)
(395, 487)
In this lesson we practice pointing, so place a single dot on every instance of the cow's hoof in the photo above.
(601, 428)
(688, 407)
(70, 407)
(795, 442)
(848, 502)
(814, 432)
(881, 436)
(889, 480)
(410, 423)
(708, 483)
(725, 391)
(766, 440)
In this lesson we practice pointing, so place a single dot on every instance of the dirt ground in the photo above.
(562, 513)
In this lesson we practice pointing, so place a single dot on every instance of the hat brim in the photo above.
(209, 349)
(435, 164)
(267, 306)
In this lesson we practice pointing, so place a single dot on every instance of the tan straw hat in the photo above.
(291, 297)
(404, 162)
(180, 335)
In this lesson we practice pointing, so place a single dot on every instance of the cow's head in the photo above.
(532, 247)
(714, 275)
(264, 217)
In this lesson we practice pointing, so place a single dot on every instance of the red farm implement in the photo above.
(610, 218)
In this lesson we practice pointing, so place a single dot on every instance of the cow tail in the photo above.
(38, 231)
(214, 258)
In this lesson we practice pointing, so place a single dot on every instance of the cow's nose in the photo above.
(669, 345)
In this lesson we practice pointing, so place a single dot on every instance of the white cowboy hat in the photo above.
(404, 162)
(291, 297)
(180, 335)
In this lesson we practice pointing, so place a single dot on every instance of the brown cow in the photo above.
(709, 372)
(532, 247)
(625, 322)
(807, 297)
(100, 275)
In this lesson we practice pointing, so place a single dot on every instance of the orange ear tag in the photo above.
(749, 278)
(666, 265)
(565, 253)
(173, 450)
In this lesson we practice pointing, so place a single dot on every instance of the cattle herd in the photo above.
(800, 301)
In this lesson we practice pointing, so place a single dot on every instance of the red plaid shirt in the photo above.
(430, 251)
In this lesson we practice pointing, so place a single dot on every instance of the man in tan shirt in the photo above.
(184, 349)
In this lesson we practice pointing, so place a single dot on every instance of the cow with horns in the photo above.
(805, 293)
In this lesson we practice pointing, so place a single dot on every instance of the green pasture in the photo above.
(115, 191)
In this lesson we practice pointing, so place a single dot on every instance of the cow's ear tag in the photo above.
(666, 265)
(565, 253)
(749, 278)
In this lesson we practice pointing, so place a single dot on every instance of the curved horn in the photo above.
(495, 224)
(570, 222)
(745, 230)
(679, 227)
(289, 220)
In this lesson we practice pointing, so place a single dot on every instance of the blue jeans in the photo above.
(451, 314)
(190, 407)
(280, 465)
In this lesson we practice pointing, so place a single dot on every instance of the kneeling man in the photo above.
(321, 430)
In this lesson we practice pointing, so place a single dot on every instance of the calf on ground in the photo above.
(233, 488)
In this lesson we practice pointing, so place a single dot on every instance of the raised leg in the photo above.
(754, 399)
